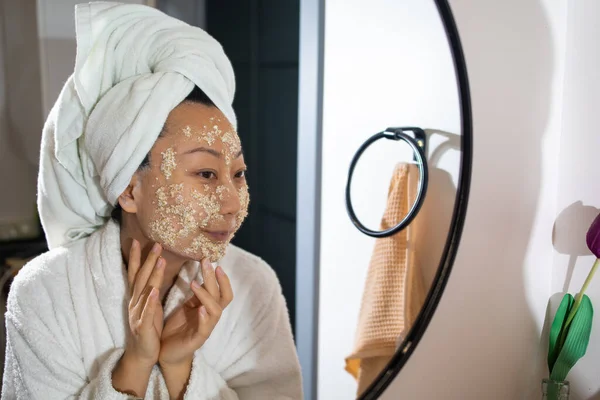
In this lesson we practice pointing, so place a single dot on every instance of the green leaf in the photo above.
(556, 328)
(577, 339)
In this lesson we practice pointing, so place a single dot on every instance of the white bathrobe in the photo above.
(67, 322)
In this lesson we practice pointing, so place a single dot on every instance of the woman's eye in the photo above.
(207, 174)
(241, 174)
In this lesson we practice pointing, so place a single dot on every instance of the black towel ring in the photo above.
(418, 145)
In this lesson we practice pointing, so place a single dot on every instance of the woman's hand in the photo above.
(133, 370)
(187, 329)
(145, 310)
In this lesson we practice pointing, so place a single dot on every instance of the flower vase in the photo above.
(552, 390)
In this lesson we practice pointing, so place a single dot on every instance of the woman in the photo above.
(121, 308)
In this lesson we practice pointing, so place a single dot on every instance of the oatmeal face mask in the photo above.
(192, 215)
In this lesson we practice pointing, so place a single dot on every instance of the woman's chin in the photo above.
(198, 248)
(214, 252)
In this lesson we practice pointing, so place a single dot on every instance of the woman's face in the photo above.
(193, 197)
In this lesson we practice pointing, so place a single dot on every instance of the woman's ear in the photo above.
(127, 198)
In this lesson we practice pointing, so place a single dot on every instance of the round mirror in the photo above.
(396, 145)
(355, 123)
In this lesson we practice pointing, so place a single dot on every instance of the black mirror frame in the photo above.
(416, 332)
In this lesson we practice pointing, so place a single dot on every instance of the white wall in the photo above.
(578, 200)
(533, 69)
(387, 63)
(484, 341)
(20, 117)
(56, 29)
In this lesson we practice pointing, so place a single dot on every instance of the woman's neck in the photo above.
(129, 231)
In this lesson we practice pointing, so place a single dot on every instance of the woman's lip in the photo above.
(218, 236)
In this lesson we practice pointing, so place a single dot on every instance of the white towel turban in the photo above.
(134, 65)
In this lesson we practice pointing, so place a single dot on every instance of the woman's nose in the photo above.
(230, 200)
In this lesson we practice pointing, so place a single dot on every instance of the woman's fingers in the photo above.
(133, 264)
(224, 286)
(158, 274)
(213, 307)
(210, 281)
(144, 273)
(147, 318)
(208, 302)
(205, 327)
(221, 286)
(193, 301)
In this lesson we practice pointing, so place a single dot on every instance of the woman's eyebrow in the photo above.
(203, 149)
(211, 151)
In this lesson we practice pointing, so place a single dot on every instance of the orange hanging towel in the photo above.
(394, 292)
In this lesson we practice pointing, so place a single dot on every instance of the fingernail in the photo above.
(195, 284)
(219, 271)
(160, 263)
(154, 292)
(135, 243)
(156, 248)
(206, 264)
(203, 311)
